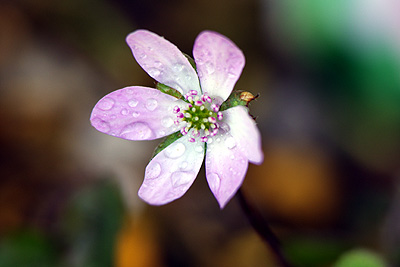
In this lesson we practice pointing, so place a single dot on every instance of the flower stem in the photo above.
(261, 226)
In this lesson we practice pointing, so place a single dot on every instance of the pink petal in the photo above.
(244, 130)
(226, 168)
(172, 171)
(219, 63)
(136, 113)
(163, 61)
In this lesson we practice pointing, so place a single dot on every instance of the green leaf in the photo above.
(360, 258)
(90, 226)
(169, 90)
(166, 142)
(238, 98)
(27, 248)
(191, 61)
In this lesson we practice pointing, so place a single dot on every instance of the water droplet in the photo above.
(124, 111)
(210, 68)
(178, 67)
(133, 103)
(214, 181)
(210, 140)
(158, 64)
(101, 125)
(151, 104)
(136, 131)
(181, 178)
(167, 121)
(135, 114)
(230, 142)
(199, 149)
(153, 72)
(232, 156)
(153, 170)
(175, 150)
(183, 165)
(106, 103)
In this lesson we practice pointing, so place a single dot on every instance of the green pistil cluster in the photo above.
(200, 117)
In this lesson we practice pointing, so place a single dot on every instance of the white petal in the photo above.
(226, 167)
(136, 113)
(163, 61)
(172, 171)
(219, 63)
(244, 129)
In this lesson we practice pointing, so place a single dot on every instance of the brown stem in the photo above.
(261, 226)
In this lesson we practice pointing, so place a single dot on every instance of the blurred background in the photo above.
(328, 76)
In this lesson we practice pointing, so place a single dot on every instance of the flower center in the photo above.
(200, 116)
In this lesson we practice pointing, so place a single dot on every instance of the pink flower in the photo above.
(228, 139)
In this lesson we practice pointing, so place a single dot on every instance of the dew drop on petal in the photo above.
(199, 149)
(151, 104)
(153, 72)
(210, 68)
(158, 64)
(133, 103)
(175, 150)
(101, 125)
(153, 170)
(181, 178)
(178, 67)
(167, 121)
(136, 131)
(183, 165)
(106, 104)
(135, 114)
(230, 142)
(124, 111)
(214, 181)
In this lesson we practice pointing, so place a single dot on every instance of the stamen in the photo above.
(215, 107)
(220, 115)
(198, 103)
(212, 119)
(192, 140)
(193, 92)
(176, 109)
(203, 139)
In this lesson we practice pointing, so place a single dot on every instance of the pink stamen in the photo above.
(176, 109)
(193, 92)
(212, 119)
(192, 140)
(215, 107)
(220, 115)
(183, 131)
(180, 115)
(206, 98)
(198, 103)
(203, 139)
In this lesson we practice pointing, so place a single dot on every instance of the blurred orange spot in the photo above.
(137, 245)
(295, 184)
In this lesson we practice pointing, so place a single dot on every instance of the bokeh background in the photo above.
(328, 76)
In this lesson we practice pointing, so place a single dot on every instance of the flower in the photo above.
(228, 139)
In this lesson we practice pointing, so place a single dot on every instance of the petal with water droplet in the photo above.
(219, 61)
(245, 132)
(163, 61)
(134, 113)
(177, 172)
(225, 170)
